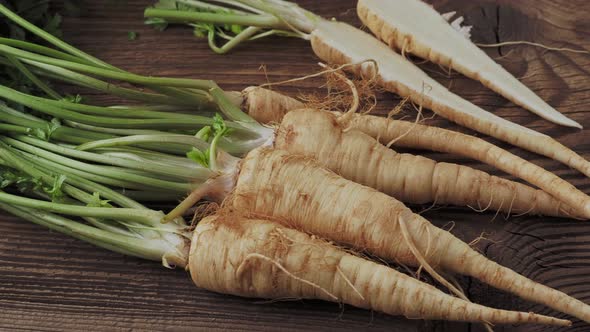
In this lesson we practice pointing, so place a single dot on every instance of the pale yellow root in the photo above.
(265, 104)
(296, 190)
(249, 258)
(412, 179)
(418, 136)
(524, 42)
(332, 43)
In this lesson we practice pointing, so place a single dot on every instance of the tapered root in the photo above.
(271, 106)
(250, 258)
(409, 178)
(267, 106)
(339, 43)
(418, 136)
(320, 202)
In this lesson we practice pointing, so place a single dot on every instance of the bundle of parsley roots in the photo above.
(294, 204)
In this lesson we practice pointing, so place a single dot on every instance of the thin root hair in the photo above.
(543, 46)
(244, 265)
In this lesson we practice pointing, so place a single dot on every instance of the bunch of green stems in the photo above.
(82, 169)
(147, 142)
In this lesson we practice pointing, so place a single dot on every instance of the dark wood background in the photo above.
(51, 282)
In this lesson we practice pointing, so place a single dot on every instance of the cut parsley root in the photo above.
(436, 40)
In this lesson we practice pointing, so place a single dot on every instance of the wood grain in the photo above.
(49, 282)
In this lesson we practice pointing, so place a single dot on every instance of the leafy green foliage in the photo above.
(220, 128)
(131, 35)
(200, 157)
(45, 134)
(38, 13)
(98, 202)
(7, 178)
(52, 127)
(77, 99)
(55, 191)
(205, 133)
(27, 184)
(22, 181)
(34, 11)
(208, 134)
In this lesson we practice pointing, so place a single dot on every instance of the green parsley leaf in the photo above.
(132, 35)
(55, 191)
(199, 156)
(205, 133)
(98, 202)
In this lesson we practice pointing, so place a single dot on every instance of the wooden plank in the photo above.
(51, 282)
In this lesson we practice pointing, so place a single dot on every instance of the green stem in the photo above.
(187, 203)
(9, 115)
(12, 129)
(169, 177)
(31, 47)
(208, 6)
(65, 134)
(155, 168)
(26, 163)
(34, 103)
(275, 32)
(76, 136)
(72, 77)
(139, 139)
(213, 153)
(100, 170)
(289, 13)
(228, 108)
(83, 57)
(114, 131)
(146, 217)
(44, 176)
(34, 79)
(111, 112)
(127, 245)
(245, 35)
(162, 107)
(178, 16)
(112, 227)
(152, 156)
(95, 178)
(177, 96)
(151, 197)
(6, 109)
(109, 73)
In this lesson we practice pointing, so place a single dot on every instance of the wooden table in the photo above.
(51, 282)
